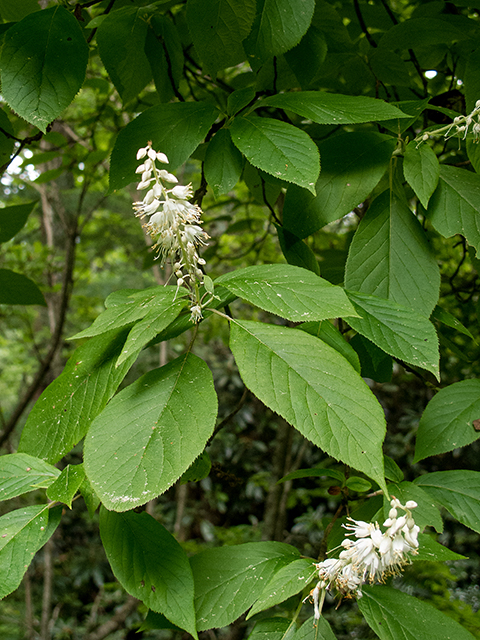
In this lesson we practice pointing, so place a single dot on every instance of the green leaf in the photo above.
(43, 64)
(138, 305)
(333, 108)
(67, 484)
(14, 11)
(426, 514)
(290, 292)
(394, 615)
(223, 163)
(163, 48)
(150, 564)
(392, 470)
(21, 473)
(374, 362)
(160, 315)
(390, 257)
(198, 470)
(422, 32)
(91, 499)
(218, 28)
(228, 580)
(278, 148)
(132, 457)
(175, 129)
(449, 320)
(285, 583)
(458, 492)
(397, 330)
(421, 170)
(272, 629)
(22, 533)
(13, 218)
(16, 288)
(296, 252)
(455, 205)
(313, 473)
(239, 99)
(278, 27)
(121, 42)
(61, 416)
(156, 621)
(312, 47)
(431, 551)
(332, 336)
(358, 484)
(315, 630)
(6, 146)
(352, 165)
(315, 389)
(447, 422)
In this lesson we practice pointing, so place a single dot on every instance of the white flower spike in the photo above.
(174, 225)
(372, 556)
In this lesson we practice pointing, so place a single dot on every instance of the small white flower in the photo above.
(161, 157)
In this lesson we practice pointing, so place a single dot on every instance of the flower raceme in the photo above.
(368, 554)
(174, 224)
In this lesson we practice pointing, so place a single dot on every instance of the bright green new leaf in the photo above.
(394, 615)
(61, 416)
(397, 330)
(290, 292)
(22, 533)
(175, 129)
(21, 473)
(228, 580)
(426, 514)
(67, 484)
(358, 484)
(285, 583)
(421, 170)
(132, 307)
(432, 551)
(315, 389)
(278, 148)
(458, 492)
(223, 163)
(390, 257)
(150, 564)
(315, 630)
(455, 205)
(218, 28)
(91, 499)
(121, 43)
(448, 421)
(150, 433)
(278, 27)
(332, 336)
(352, 165)
(13, 218)
(333, 108)
(296, 251)
(158, 318)
(16, 288)
(43, 64)
(392, 470)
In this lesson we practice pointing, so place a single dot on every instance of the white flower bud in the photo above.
(411, 504)
(161, 157)
(152, 154)
(141, 153)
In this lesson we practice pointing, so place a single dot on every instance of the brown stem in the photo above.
(323, 546)
(29, 633)
(47, 589)
(116, 621)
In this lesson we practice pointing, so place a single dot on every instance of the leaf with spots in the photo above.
(150, 433)
(21, 473)
(315, 389)
(150, 564)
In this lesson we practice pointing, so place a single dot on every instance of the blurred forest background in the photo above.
(79, 245)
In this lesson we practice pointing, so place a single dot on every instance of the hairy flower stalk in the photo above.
(174, 224)
(368, 554)
(461, 126)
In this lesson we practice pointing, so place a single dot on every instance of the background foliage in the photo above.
(343, 245)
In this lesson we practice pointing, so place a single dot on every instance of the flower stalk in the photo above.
(174, 225)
